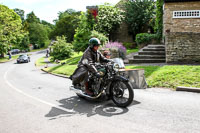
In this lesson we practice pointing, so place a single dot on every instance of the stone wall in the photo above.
(180, 24)
(121, 34)
(182, 47)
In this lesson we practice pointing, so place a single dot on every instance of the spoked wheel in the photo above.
(122, 93)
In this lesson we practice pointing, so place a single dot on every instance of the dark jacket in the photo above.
(87, 64)
(90, 57)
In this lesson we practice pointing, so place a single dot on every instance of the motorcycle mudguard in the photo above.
(120, 78)
(115, 78)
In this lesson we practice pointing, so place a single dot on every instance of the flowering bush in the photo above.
(60, 49)
(117, 46)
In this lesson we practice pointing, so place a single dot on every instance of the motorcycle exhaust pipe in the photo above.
(80, 92)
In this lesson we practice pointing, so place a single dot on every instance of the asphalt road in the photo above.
(36, 102)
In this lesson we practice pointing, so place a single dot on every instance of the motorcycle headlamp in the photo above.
(116, 67)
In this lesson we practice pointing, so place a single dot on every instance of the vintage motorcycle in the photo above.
(111, 83)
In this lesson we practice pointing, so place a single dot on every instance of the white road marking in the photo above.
(32, 97)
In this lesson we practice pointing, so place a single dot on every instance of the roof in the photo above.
(180, 0)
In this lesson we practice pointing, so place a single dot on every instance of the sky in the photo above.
(48, 9)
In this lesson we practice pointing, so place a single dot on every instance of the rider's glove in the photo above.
(98, 74)
(111, 61)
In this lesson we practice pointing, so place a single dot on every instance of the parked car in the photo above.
(15, 51)
(23, 58)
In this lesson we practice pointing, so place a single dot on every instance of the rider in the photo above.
(107, 54)
(86, 63)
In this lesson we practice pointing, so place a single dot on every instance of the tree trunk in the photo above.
(2, 55)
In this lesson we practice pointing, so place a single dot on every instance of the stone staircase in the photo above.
(150, 54)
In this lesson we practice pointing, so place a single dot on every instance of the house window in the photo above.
(186, 14)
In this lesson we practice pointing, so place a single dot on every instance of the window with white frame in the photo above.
(186, 14)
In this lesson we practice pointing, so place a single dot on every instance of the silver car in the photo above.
(23, 58)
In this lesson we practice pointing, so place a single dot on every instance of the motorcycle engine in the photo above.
(95, 84)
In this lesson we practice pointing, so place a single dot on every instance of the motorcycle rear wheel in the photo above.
(118, 90)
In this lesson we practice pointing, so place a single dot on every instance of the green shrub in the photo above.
(143, 39)
(159, 18)
(60, 49)
(83, 32)
(81, 41)
(130, 45)
(140, 15)
(100, 36)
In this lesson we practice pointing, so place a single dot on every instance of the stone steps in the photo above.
(154, 49)
(156, 46)
(132, 61)
(150, 54)
(149, 57)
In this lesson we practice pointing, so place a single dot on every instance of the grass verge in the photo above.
(156, 76)
(66, 70)
(40, 62)
(6, 59)
(128, 51)
(171, 76)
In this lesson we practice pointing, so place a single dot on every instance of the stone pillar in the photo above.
(136, 77)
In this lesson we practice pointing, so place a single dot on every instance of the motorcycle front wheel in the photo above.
(121, 93)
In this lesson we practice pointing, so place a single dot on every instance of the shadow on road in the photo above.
(80, 106)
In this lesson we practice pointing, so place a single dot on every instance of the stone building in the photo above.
(181, 21)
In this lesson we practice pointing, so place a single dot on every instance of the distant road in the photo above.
(36, 102)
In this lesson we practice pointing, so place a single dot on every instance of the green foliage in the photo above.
(32, 18)
(103, 39)
(109, 18)
(10, 29)
(139, 15)
(129, 45)
(24, 45)
(49, 25)
(82, 34)
(66, 24)
(145, 38)
(37, 34)
(129, 51)
(159, 18)
(20, 13)
(38, 31)
(83, 44)
(61, 49)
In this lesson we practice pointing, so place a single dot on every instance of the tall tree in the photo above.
(38, 34)
(32, 18)
(20, 13)
(83, 33)
(66, 24)
(139, 15)
(10, 28)
(51, 26)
